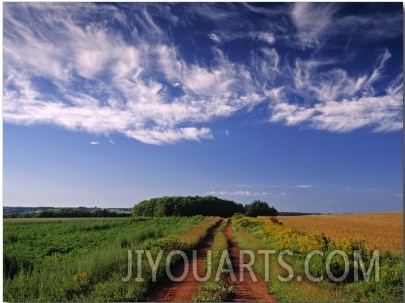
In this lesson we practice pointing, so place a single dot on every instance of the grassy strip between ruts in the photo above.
(215, 289)
(263, 234)
(85, 260)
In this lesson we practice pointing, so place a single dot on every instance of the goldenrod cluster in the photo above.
(282, 237)
(80, 277)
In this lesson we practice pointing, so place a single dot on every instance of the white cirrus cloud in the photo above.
(266, 37)
(101, 83)
(122, 72)
(311, 20)
(304, 186)
(241, 193)
(337, 102)
(214, 37)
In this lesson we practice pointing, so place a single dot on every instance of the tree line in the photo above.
(78, 213)
(81, 212)
(196, 205)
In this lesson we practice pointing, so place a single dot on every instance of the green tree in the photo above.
(186, 206)
(260, 208)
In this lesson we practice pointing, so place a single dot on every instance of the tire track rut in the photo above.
(246, 290)
(182, 291)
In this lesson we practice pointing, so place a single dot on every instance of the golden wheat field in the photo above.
(381, 231)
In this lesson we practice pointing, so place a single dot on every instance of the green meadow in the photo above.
(84, 260)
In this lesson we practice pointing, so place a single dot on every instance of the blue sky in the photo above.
(296, 104)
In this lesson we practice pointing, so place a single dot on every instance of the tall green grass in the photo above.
(84, 260)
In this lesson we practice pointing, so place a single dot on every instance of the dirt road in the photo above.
(246, 291)
(170, 291)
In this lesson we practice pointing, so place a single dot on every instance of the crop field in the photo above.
(84, 260)
(381, 231)
(384, 283)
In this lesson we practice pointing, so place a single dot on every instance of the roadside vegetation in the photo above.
(269, 233)
(85, 260)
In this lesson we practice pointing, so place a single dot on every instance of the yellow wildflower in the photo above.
(75, 278)
(85, 274)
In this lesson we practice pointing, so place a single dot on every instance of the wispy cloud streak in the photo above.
(240, 193)
(121, 71)
(304, 186)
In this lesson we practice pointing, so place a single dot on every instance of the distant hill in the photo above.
(294, 213)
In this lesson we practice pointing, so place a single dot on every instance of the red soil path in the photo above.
(170, 291)
(248, 290)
